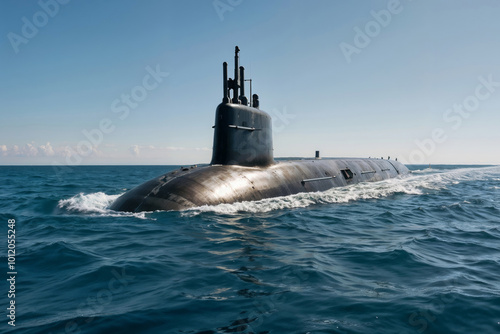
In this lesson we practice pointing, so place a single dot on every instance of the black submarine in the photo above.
(243, 167)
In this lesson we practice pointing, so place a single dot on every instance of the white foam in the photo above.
(413, 184)
(94, 204)
(423, 171)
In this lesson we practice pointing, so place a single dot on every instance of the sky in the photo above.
(137, 82)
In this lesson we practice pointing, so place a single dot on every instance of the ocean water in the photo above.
(419, 254)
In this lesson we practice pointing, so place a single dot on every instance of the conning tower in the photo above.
(242, 133)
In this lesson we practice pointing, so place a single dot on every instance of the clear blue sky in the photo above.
(417, 80)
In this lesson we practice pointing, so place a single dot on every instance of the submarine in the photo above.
(243, 167)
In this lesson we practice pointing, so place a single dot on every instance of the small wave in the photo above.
(94, 204)
(412, 185)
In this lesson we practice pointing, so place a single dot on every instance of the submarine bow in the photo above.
(242, 166)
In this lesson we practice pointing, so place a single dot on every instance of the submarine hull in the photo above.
(215, 184)
(243, 166)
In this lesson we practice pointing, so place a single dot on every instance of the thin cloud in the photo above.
(46, 150)
(134, 150)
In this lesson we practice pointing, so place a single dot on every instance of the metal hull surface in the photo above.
(216, 184)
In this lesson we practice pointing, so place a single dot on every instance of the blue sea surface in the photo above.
(416, 254)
